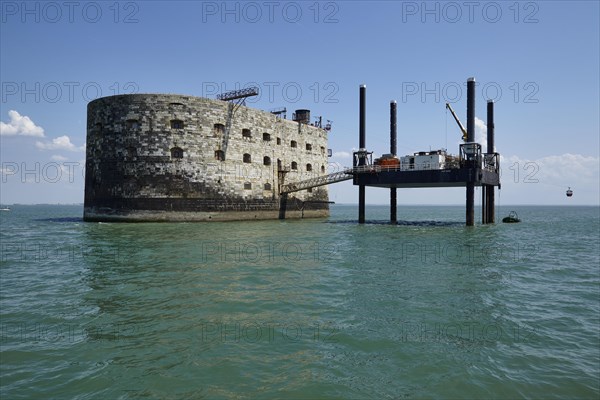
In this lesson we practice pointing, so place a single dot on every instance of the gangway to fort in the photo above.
(339, 176)
(345, 174)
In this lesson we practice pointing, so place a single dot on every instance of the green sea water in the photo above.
(315, 308)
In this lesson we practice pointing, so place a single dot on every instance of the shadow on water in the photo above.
(349, 221)
(401, 223)
(59, 219)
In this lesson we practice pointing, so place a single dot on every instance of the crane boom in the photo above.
(462, 128)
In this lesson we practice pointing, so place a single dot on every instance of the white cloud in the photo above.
(341, 154)
(59, 143)
(20, 125)
(545, 179)
(557, 170)
(57, 157)
(481, 134)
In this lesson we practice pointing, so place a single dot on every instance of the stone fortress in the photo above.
(163, 157)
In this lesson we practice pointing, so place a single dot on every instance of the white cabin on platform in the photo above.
(423, 160)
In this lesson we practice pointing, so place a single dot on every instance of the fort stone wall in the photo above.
(161, 157)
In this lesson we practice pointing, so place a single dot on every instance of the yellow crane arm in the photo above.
(462, 128)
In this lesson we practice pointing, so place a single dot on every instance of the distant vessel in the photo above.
(569, 192)
(512, 218)
(4, 208)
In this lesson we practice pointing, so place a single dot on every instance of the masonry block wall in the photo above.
(160, 157)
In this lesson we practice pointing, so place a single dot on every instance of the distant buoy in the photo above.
(569, 192)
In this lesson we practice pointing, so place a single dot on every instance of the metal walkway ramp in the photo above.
(322, 180)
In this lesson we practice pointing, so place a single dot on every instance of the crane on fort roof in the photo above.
(236, 98)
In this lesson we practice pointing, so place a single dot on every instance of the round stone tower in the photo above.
(162, 157)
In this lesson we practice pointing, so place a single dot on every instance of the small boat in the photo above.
(512, 217)
(569, 192)
(5, 209)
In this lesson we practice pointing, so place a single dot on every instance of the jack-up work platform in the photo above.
(434, 169)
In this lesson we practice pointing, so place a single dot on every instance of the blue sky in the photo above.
(539, 61)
